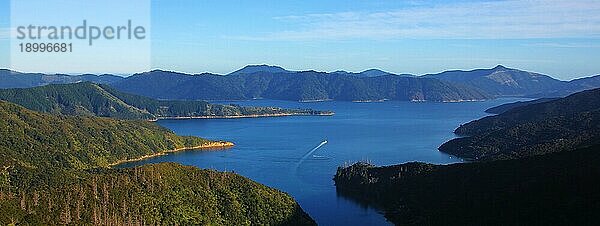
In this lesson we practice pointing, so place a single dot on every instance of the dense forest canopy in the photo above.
(54, 170)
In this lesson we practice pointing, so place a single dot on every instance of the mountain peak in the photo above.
(374, 73)
(500, 67)
(259, 68)
(158, 71)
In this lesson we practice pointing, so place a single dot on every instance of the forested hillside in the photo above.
(559, 125)
(54, 170)
(88, 99)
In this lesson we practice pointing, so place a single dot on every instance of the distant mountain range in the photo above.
(274, 82)
(89, 99)
(12, 79)
(502, 81)
(294, 86)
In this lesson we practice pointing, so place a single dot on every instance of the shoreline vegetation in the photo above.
(214, 145)
(242, 116)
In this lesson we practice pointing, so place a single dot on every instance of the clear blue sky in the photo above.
(556, 37)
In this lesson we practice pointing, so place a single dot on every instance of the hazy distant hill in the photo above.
(368, 73)
(585, 83)
(11, 79)
(559, 125)
(506, 107)
(88, 99)
(502, 81)
(571, 87)
(267, 69)
(251, 69)
(295, 86)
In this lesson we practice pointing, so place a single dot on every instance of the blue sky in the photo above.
(556, 37)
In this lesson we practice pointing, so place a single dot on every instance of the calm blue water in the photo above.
(269, 150)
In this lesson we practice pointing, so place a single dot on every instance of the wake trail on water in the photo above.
(309, 153)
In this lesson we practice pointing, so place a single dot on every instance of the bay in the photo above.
(277, 151)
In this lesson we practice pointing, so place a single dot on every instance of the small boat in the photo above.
(320, 157)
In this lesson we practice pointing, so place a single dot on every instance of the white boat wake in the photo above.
(309, 153)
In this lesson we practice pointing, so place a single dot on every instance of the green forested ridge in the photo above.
(563, 124)
(38, 140)
(53, 170)
(88, 99)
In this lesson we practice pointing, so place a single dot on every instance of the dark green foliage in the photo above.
(295, 86)
(88, 99)
(37, 140)
(560, 125)
(554, 189)
(85, 99)
(153, 194)
(53, 170)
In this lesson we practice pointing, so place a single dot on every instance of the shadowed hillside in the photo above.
(534, 165)
(558, 125)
